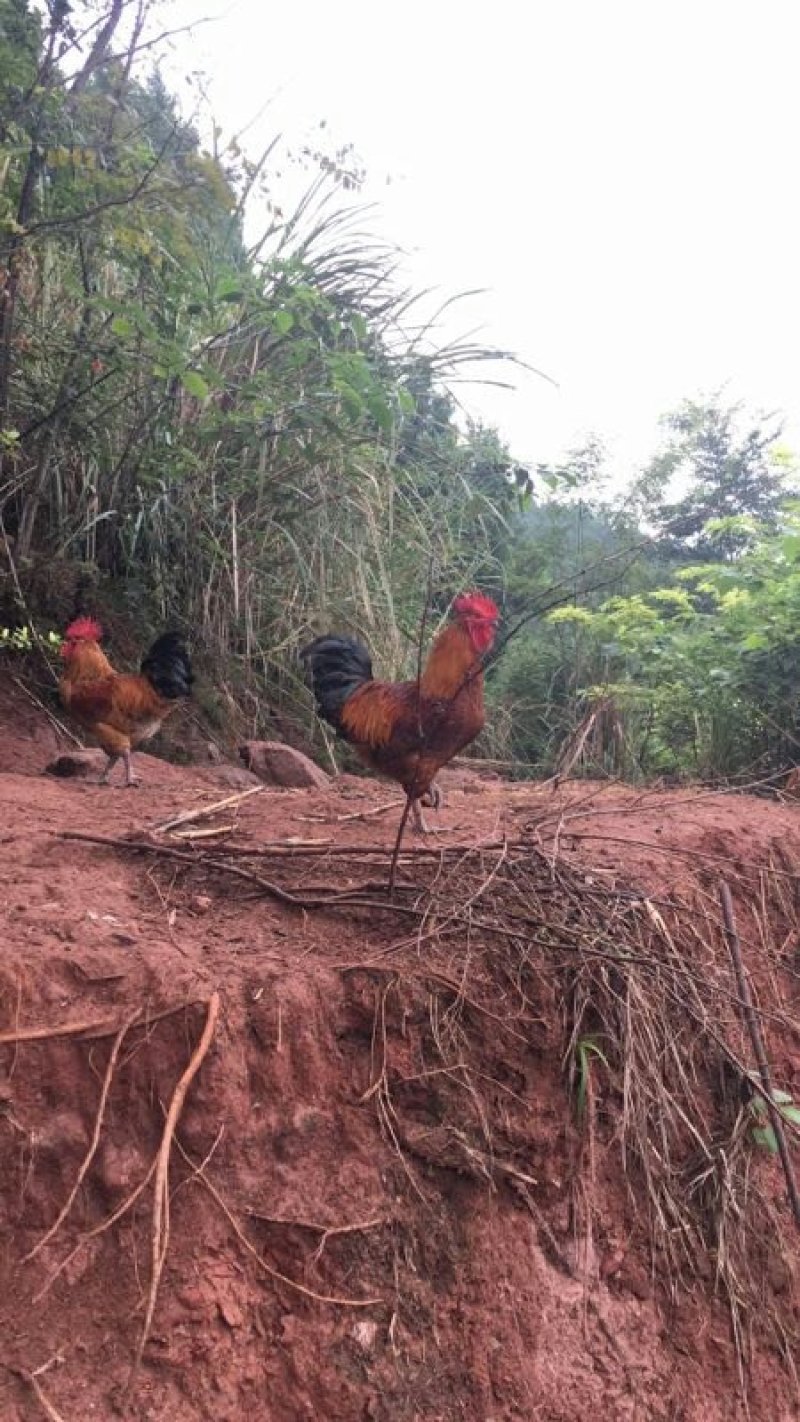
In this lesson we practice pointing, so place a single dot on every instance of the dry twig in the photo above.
(189, 816)
(161, 1186)
(759, 1050)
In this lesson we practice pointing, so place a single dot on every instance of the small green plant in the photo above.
(585, 1049)
(21, 639)
(762, 1130)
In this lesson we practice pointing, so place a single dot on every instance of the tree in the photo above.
(718, 465)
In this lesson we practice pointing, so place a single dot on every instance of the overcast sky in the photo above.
(620, 177)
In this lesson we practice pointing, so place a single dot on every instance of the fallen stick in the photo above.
(64, 1029)
(41, 1396)
(97, 1027)
(161, 1184)
(281, 849)
(209, 833)
(366, 814)
(189, 815)
(348, 899)
(754, 1029)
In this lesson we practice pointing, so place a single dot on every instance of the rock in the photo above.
(83, 764)
(278, 764)
(231, 1312)
(232, 777)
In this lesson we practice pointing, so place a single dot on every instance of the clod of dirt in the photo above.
(278, 764)
(78, 765)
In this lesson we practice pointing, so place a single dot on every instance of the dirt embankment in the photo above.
(446, 1159)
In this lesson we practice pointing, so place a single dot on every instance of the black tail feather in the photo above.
(339, 666)
(167, 667)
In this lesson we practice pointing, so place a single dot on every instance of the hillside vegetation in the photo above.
(295, 1114)
(258, 436)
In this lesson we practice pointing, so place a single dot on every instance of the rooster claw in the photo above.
(433, 798)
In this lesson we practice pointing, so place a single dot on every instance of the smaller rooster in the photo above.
(405, 730)
(121, 710)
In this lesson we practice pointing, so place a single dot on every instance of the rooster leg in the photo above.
(433, 797)
(130, 778)
(419, 823)
(110, 763)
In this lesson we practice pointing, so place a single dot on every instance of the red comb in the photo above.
(83, 629)
(475, 604)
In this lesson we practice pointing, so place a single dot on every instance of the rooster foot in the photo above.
(130, 778)
(433, 798)
(419, 822)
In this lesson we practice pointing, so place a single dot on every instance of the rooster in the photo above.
(121, 710)
(408, 730)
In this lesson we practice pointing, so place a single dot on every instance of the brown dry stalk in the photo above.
(41, 1396)
(759, 1049)
(62, 1029)
(95, 1141)
(366, 814)
(161, 1185)
(210, 832)
(280, 849)
(91, 1028)
(314, 1225)
(329, 900)
(205, 810)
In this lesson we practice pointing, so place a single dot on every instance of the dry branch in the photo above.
(188, 816)
(46, 1405)
(90, 1028)
(161, 1185)
(759, 1049)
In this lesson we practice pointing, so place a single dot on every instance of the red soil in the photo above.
(483, 1311)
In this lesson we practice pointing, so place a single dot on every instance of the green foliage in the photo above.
(251, 443)
(246, 442)
(587, 1049)
(23, 639)
(716, 478)
(704, 673)
(762, 1131)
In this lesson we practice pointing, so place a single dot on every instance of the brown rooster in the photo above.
(404, 730)
(121, 710)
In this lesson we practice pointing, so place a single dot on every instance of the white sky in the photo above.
(620, 176)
